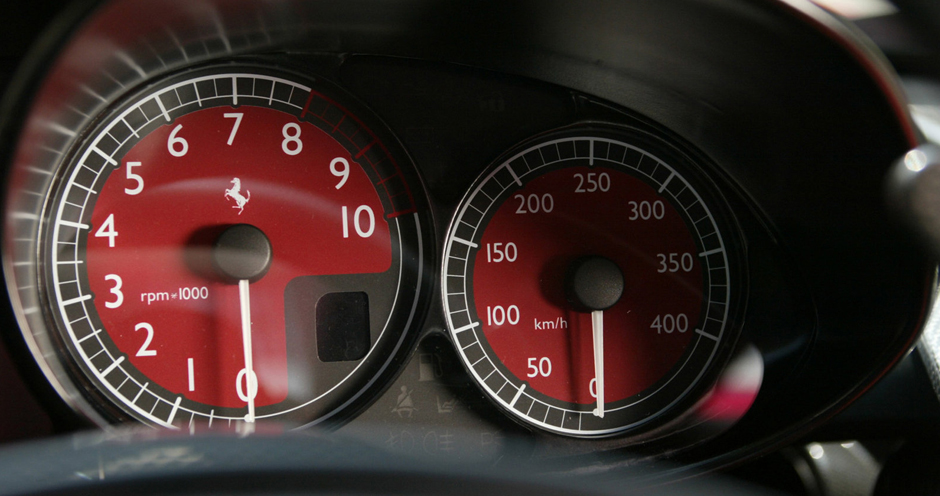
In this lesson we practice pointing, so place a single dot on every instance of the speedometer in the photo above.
(234, 244)
(591, 281)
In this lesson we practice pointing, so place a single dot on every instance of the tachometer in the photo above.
(234, 244)
(590, 281)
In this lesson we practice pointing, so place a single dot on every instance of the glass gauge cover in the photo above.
(234, 244)
(590, 281)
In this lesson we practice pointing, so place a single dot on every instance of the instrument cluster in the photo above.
(247, 215)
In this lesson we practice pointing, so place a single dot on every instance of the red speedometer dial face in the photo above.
(607, 223)
(313, 207)
(587, 283)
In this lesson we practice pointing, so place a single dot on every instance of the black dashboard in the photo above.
(472, 221)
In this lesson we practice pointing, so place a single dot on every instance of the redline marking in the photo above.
(341, 119)
(389, 178)
(364, 150)
(362, 128)
(307, 105)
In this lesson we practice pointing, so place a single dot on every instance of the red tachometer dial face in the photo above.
(181, 178)
(587, 284)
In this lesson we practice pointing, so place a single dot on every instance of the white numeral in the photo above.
(291, 144)
(497, 252)
(252, 385)
(196, 293)
(358, 222)
(192, 375)
(534, 204)
(107, 230)
(670, 323)
(498, 315)
(134, 177)
(116, 291)
(342, 172)
(595, 182)
(177, 146)
(674, 262)
(238, 120)
(539, 366)
(645, 210)
(143, 351)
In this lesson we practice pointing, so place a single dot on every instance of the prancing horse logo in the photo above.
(235, 193)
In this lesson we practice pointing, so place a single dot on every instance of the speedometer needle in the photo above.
(597, 324)
(594, 284)
(251, 385)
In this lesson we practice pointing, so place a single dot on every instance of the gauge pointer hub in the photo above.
(243, 253)
(594, 284)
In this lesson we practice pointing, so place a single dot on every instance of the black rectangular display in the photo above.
(342, 326)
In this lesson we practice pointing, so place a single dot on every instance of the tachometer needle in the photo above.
(597, 323)
(243, 253)
(251, 387)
